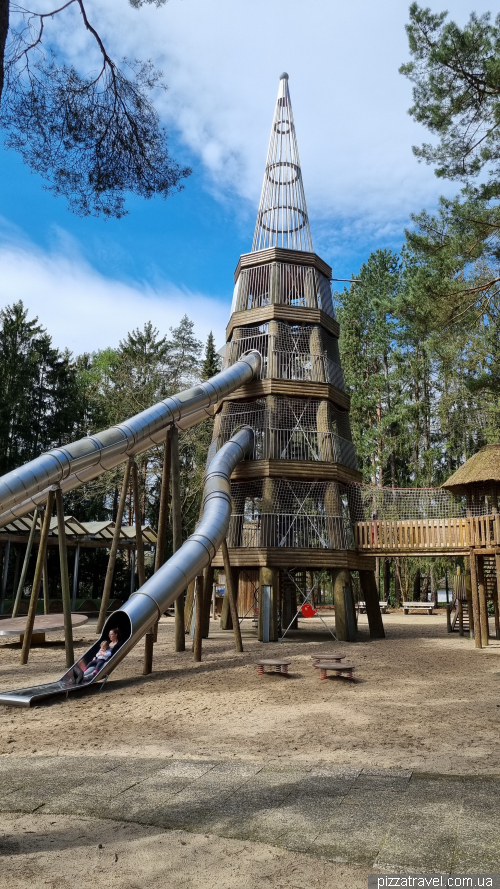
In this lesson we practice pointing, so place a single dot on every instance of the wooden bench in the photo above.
(362, 607)
(336, 668)
(278, 666)
(420, 606)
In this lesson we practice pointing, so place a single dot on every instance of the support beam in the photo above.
(226, 621)
(208, 581)
(24, 569)
(45, 585)
(113, 551)
(373, 612)
(341, 578)
(198, 627)
(475, 600)
(231, 593)
(497, 600)
(483, 605)
(189, 607)
(138, 525)
(42, 548)
(180, 634)
(268, 605)
(468, 593)
(5, 573)
(161, 540)
(63, 560)
(76, 565)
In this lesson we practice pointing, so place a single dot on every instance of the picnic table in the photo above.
(44, 623)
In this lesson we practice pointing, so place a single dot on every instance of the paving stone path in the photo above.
(392, 820)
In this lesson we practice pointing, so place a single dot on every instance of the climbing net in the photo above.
(368, 503)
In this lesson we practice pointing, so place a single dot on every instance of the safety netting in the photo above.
(289, 429)
(282, 513)
(371, 503)
(290, 352)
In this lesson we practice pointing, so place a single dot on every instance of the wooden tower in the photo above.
(290, 513)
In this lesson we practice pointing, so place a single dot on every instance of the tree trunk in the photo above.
(416, 586)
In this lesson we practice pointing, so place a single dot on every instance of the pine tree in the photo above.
(212, 362)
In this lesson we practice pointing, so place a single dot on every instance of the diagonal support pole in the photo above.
(24, 570)
(114, 549)
(63, 560)
(42, 549)
(230, 591)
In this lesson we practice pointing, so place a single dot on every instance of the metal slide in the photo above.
(145, 607)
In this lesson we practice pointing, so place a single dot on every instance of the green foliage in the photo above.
(212, 361)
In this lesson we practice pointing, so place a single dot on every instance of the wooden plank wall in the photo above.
(420, 535)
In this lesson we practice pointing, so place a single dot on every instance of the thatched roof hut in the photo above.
(480, 475)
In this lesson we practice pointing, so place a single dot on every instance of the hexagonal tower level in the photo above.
(290, 536)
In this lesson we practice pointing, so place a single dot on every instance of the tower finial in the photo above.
(282, 219)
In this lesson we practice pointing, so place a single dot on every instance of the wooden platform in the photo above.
(300, 557)
(433, 536)
(44, 623)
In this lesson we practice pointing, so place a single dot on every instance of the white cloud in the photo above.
(85, 311)
(222, 61)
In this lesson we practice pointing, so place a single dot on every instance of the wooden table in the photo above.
(278, 666)
(44, 623)
(336, 668)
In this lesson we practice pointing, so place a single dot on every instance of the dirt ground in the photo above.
(422, 700)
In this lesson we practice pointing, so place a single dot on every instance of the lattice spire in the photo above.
(282, 220)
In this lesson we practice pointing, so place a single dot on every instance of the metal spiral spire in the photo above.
(282, 220)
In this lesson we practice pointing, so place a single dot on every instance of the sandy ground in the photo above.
(74, 852)
(422, 700)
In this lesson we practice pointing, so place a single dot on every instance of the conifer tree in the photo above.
(212, 361)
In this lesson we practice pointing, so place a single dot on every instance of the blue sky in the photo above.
(90, 281)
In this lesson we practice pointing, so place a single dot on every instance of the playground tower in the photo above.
(290, 518)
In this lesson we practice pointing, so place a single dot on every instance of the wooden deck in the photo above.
(433, 536)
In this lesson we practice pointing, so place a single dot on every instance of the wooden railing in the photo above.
(422, 535)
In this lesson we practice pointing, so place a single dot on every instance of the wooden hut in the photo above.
(478, 480)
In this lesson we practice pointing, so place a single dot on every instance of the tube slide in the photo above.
(77, 463)
(147, 605)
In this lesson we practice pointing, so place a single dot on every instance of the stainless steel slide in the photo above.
(146, 606)
(77, 463)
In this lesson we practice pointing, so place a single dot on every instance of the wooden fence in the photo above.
(422, 535)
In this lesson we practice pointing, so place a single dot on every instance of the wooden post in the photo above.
(496, 603)
(76, 565)
(45, 584)
(448, 617)
(63, 560)
(30, 620)
(163, 515)
(232, 597)
(198, 627)
(341, 577)
(373, 612)
(460, 617)
(226, 621)
(189, 607)
(468, 593)
(483, 605)
(24, 569)
(138, 525)
(114, 549)
(4, 575)
(180, 634)
(475, 600)
(208, 576)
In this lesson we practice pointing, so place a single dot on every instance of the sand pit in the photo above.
(422, 700)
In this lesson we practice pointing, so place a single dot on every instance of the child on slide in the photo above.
(100, 659)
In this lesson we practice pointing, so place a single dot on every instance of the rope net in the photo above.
(289, 429)
(369, 503)
(290, 352)
(277, 512)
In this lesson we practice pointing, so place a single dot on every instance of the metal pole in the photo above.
(198, 627)
(180, 640)
(113, 551)
(24, 569)
(230, 593)
(63, 561)
(138, 525)
(4, 575)
(42, 547)
(75, 578)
